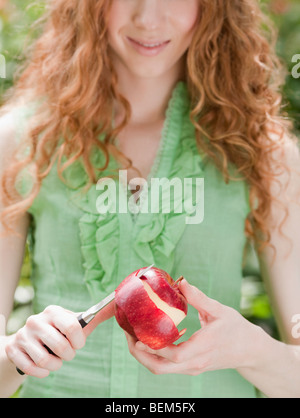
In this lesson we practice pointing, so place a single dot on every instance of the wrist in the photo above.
(10, 379)
(274, 367)
(265, 355)
(263, 350)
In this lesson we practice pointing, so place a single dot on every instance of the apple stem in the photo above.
(178, 280)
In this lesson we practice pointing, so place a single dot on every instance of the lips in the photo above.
(148, 47)
(149, 44)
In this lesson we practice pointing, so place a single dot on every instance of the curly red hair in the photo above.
(233, 76)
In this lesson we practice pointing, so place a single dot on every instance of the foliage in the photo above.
(286, 15)
(17, 18)
(17, 29)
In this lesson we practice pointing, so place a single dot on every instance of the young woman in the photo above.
(174, 89)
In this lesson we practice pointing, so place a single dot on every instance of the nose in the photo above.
(148, 14)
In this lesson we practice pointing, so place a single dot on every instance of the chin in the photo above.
(148, 72)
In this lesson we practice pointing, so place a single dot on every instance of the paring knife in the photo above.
(86, 317)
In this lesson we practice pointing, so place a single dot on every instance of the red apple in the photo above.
(150, 307)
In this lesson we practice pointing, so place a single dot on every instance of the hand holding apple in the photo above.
(150, 307)
(226, 340)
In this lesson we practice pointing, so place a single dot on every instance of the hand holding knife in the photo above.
(86, 317)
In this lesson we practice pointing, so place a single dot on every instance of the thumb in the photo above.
(206, 306)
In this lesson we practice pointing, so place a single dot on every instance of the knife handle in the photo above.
(83, 325)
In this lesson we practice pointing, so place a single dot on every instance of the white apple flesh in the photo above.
(177, 315)
(150, 307)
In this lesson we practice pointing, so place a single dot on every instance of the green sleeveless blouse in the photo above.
(81, 254)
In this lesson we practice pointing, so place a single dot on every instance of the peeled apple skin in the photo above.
(139, 315)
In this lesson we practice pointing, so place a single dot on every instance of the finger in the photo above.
(41, 357)
(131, 341)
(58, 343)
(23, 362)
(153, 359)
(204, 305)
(67, 323)
(166, 352)
(157, 365)
(138, 345)
(180, 353)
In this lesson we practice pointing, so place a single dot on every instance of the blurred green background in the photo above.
(17, 18)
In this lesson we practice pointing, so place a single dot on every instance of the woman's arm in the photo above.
(226, 339)
(56, 327)
(279, 374)
(24, 348)
(281, 274)
(11, 259)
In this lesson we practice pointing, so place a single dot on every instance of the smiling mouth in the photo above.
(148, 44)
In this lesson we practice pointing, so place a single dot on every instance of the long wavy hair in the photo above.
(234, 78)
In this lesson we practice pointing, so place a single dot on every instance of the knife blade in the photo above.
(143, 271)
(86, 317)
